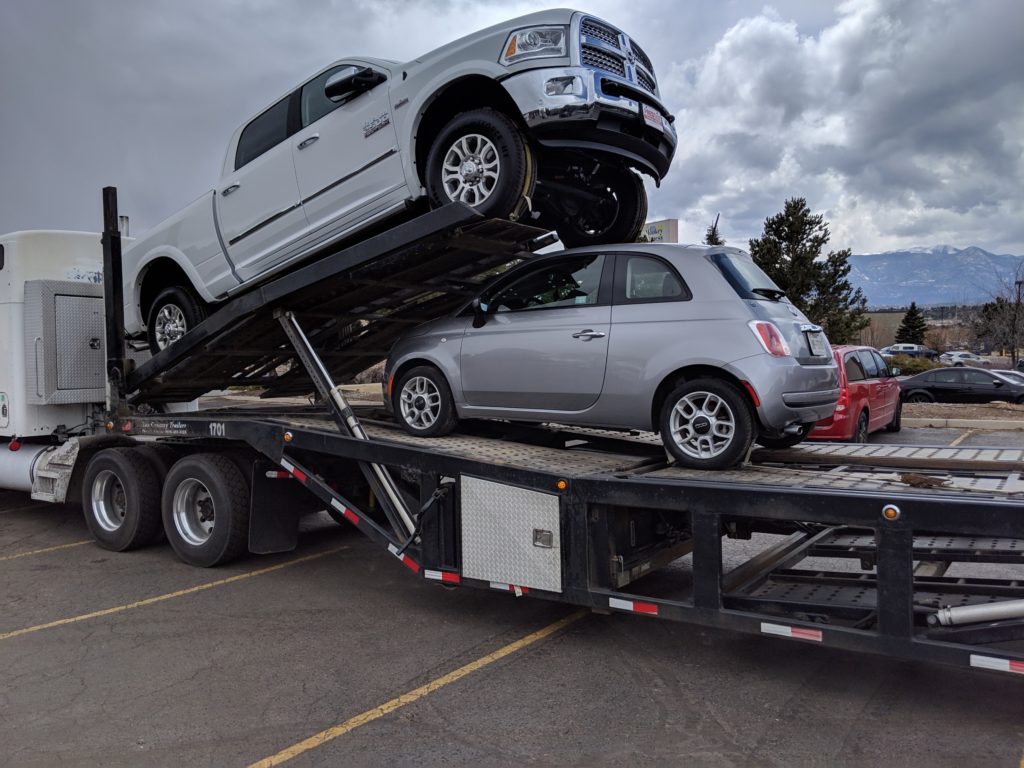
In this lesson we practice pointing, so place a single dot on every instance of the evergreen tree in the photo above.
(912, 327)
(789, 251)
(711, 236)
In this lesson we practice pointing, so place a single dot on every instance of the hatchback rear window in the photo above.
(748, 279)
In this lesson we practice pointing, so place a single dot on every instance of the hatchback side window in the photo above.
(644, 279)
(883, 367)
(870, 367)
(854, 369)
(265, 132)
(314, 104)
(565, 283)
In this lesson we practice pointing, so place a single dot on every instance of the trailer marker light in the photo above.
(14, 445)
(999, 665)
(407, 561)
(110, 425)
(288, 437)
(633, 606)
(503, 587)
(891, 512)
(561, 485)
(351, 516)
(126, 427)
(446, 577)
(796, 633)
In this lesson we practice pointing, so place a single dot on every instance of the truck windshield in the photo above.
(748, 279)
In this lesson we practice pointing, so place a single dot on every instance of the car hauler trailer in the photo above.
(905, 551)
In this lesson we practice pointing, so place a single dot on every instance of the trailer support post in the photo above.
(895, 581)
(377, 475)
(113, 302)
(707, 560)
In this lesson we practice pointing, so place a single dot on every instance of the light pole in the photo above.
(1018, 284)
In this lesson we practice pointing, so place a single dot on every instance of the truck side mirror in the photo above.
(346, 84)
(479, 313)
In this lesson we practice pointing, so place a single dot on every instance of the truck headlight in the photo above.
(535, 43)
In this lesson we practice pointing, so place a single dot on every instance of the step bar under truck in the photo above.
(893, 550)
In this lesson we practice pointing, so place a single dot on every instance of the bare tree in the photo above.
(1000, 322)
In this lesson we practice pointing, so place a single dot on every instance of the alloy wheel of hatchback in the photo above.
(423, 402)
(420, 402)
(706, 424)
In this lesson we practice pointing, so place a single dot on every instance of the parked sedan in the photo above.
(693, 341)
(869, 397)
(959, 359)
(961, 385)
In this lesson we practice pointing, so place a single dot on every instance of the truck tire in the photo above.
(618, 218)
(175, 312)
(121, 499)
(423, 402)
(706, 424)
(206, 509)
(481, 158)
(161, 458)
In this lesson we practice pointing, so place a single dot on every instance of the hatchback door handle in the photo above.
(227, 191)
(307, 141)
(589, 334)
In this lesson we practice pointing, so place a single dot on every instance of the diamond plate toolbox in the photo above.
(510, 535)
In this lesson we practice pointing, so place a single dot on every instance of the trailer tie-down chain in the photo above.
(439, 493)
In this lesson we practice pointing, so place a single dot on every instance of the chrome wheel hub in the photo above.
(702, 425)
(109, 503)
(470, 170)
(420, 402)
(170, 325)
(193, 512)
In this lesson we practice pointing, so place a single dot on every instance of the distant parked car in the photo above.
(961, 385)
(869, 397)
(695, 342)
(1013, 376)
(909, 350)
(958, 359)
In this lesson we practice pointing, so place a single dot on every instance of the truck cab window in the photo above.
(314, 104)
(265, 132)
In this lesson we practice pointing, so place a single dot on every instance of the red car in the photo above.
(869, 397)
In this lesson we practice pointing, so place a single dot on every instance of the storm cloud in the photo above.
(901, 120)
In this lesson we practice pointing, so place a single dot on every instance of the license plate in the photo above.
(652, 117)
(816, 341)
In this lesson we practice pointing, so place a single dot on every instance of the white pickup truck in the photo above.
(549, 116)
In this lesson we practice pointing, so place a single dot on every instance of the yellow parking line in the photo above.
(168, 596)
(370, 715)
(47, 549)
(962, 437)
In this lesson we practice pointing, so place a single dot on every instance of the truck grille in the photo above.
(598, 59)
(605, 48)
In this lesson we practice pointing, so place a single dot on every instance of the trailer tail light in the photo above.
(770, 337)
(796, 633)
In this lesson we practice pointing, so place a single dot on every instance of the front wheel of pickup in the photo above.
(480, 158)
(175, 312)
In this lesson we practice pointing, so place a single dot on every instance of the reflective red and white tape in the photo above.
(298, 474)
(409, 563)
(351, 516)
(446, 577)
(999, 665)
(634, 606)
(796, 633)
(503, 587)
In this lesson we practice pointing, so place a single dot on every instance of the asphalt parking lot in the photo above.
(334, 655)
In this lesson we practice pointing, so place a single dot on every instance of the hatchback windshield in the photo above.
(748, 279)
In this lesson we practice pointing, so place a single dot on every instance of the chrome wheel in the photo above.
(420, 402)
(109, 504)
(702, 425)
(470, 170)
(193, 512)
(170, 325)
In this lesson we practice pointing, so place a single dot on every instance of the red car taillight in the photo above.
(771, 338)
(844, 400)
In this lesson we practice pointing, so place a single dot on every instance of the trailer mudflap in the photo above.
(278, 503)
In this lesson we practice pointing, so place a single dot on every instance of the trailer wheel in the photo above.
(423, 402)
(160, 457)
(121, 499)
(706, 424)
(175, 312)
(206, 509)
(480, 158)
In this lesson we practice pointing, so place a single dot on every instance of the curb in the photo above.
(988, 424)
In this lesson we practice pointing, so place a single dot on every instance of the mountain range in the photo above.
(941, 274)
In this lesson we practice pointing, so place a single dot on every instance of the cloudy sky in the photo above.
(901, 120)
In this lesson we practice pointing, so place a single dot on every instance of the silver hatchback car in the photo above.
(694, 342)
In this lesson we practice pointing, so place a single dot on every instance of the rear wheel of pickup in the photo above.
(206, 509)
(175, 312)
(607, 206)
(706, 424)
(423, 402)
(481, 158)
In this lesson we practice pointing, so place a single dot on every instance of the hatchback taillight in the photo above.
(770, 337)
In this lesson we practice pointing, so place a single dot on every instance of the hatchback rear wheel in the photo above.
(706, 424)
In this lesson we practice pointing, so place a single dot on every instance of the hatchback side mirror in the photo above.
(896, 372)
(479, 313)
(342, 86)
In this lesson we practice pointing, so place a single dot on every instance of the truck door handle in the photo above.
(589, 334)
(307, 141)
(229, 190)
